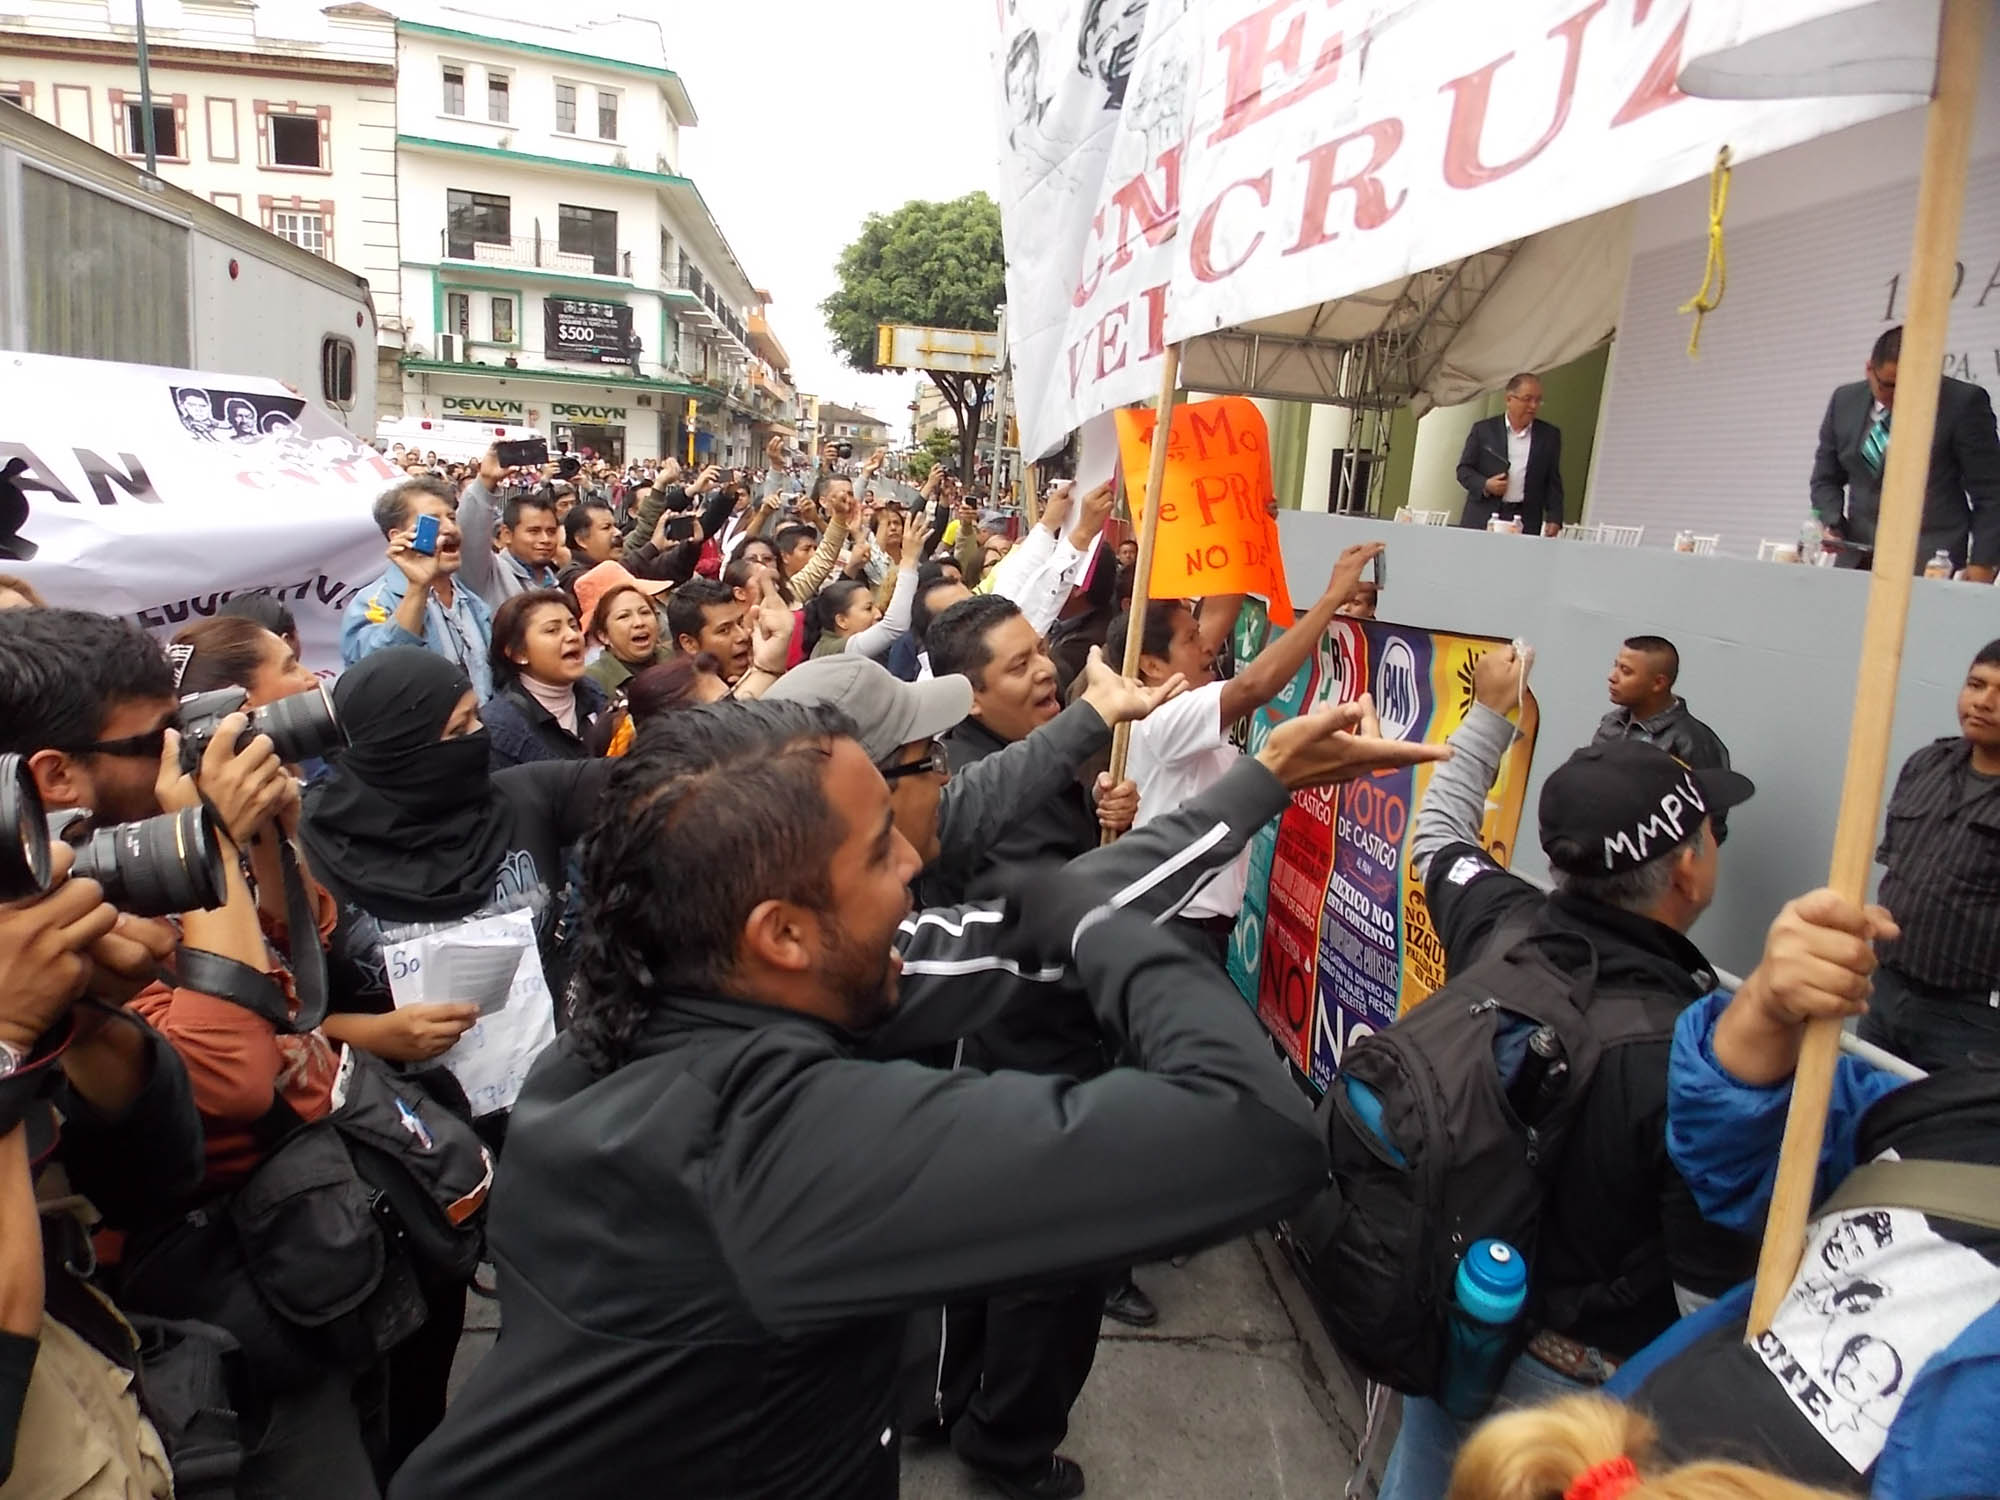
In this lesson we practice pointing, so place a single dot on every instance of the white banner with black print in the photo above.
(158, 493)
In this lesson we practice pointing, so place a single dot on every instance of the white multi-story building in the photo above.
(557, 269)
(285, 117)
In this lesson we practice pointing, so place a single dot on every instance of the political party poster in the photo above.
(1170, 168)
(1335, 940)
(159, 493)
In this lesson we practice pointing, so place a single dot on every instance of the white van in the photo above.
(452, 440)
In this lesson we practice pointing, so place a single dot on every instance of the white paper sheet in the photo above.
(492, 962)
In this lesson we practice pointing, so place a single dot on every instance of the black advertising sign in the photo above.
(599, 332)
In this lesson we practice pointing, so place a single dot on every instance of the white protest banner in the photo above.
(1179, 167)
(158, 493)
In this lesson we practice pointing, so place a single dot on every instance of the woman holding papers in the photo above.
(415, 836)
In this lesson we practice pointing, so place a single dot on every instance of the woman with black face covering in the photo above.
(411, 833)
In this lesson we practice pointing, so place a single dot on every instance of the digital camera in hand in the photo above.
(155, 867)
(301, 727)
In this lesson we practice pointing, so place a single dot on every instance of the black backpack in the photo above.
(1451, 1163)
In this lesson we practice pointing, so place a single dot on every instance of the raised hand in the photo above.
(1120, 700)
(1335, 743)
(1347, 570)
(771, 624)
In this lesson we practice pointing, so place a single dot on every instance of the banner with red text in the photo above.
(1217, 533)
(1176, 167)
(158, 493)
(1335, 939)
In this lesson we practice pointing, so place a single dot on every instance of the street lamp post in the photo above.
(145, 89)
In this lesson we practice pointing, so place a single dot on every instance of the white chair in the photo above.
(1704, 546)
(1433, 517)
(1574, 532)
(1621, 536)
(1405, 516)
(1767, 550)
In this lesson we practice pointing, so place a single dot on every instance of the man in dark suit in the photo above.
(1511, 466)
(1962, 496)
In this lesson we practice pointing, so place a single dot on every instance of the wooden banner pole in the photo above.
(1933, 252)
(1149, 530)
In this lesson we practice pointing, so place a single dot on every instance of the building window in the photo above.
(458, 313)
(476, 219)
(20, 95)
(454, 89)
(607, 116)
(498, 100)
(503, 320)
(293, 140)
(302, 227)
(166, 139)
(589, 231)
(566, 109)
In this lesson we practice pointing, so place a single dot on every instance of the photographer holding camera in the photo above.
(96, 1118)
(90, 704)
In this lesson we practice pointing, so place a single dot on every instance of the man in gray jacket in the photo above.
(722, 1194)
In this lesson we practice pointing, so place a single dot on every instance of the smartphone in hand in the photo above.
(425, 538)
(522, 453)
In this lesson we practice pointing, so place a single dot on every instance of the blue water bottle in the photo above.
(1489, 1291)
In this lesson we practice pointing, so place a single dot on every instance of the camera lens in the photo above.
(301, 726)
(24, 833)
(156, 866)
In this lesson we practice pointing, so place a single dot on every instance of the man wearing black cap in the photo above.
(1629, 835)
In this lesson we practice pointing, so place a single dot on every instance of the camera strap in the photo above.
(234, 981)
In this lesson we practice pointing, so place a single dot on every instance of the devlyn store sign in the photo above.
(488, 409)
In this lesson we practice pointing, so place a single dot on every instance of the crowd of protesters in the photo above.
(884, 1030)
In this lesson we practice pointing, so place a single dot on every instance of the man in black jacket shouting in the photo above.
(721, 1192)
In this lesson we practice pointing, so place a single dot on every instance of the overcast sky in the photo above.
(816, 114)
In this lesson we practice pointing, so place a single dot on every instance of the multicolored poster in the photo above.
(1335, 940)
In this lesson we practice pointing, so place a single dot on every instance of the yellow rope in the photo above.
(1715, 274)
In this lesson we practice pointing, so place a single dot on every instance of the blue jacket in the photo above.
(1724, 1136)
(370, 625)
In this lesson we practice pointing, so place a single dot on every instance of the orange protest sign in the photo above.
(1216, 531)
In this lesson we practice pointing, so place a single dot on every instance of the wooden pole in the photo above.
(1149, 530)
(1933, 252)
(1031, 505)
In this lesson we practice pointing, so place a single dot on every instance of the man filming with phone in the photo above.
(529, 532)
(417, 600)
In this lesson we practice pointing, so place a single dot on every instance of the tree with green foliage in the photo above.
(939, 447)
(935, 265)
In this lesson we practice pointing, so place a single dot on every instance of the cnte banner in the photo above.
(158, 493)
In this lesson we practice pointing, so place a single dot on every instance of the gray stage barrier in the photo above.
(1768, 657)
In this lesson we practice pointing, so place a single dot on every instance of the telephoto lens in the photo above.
(301, 726)
(156, 866)
(24, 847)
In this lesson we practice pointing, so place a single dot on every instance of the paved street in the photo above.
(1229, 1395)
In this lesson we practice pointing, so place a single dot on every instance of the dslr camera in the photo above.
(152, 868)
(301, 727)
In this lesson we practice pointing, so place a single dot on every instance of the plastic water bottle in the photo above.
(1939, 566)
(1812, 539)
(1488, 1294)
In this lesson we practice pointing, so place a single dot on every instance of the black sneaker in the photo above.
(1060, 1480)
(1130, 1306)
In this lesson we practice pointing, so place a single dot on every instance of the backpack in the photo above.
(1444, 1161)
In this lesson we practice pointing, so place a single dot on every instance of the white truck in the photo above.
(99, 260)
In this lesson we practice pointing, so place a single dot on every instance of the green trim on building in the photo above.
(534, 49)
(473, 273)
(502, 372)
(556, 163)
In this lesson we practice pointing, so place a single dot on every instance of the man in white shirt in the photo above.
(1183, 748)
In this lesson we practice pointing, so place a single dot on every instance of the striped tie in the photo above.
(1875, 443)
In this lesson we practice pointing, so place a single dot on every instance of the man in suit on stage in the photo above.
(1962, 495)
(1511, 466)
